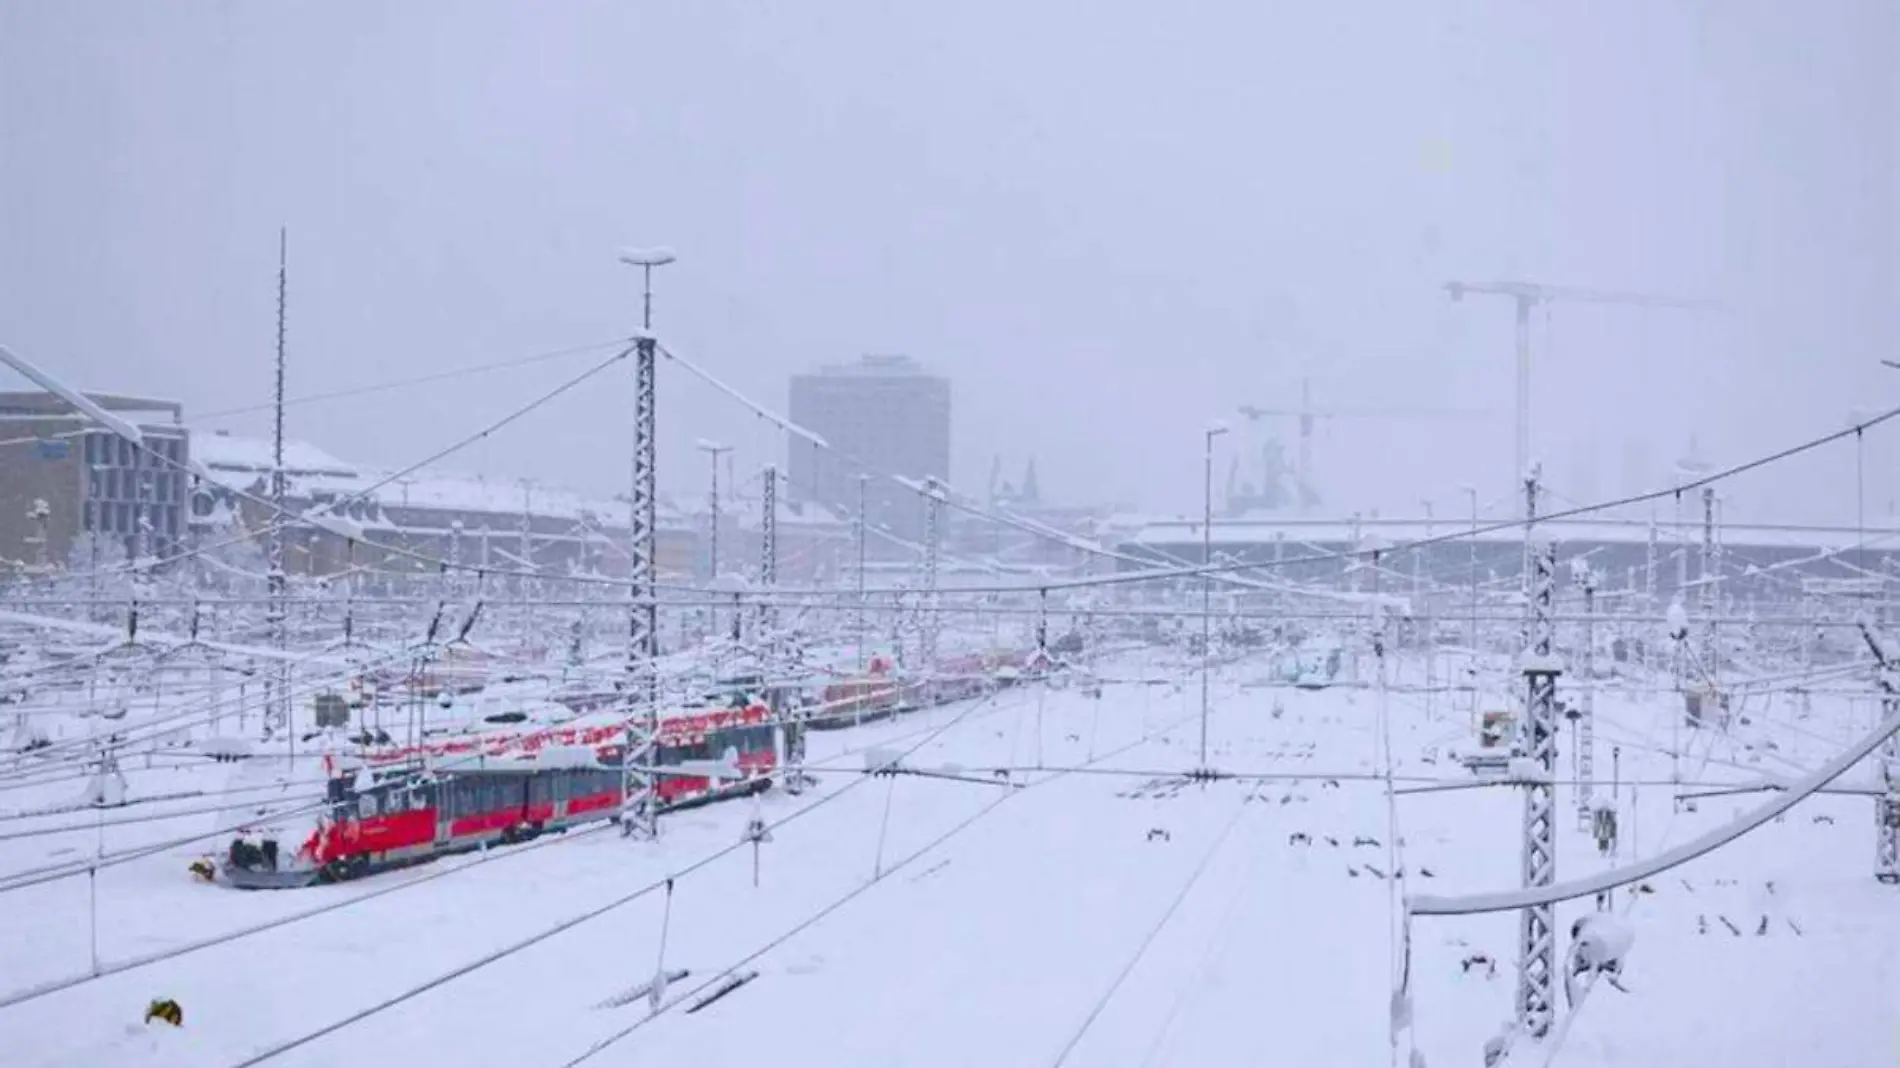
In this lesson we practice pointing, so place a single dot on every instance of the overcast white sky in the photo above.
(1107, 222)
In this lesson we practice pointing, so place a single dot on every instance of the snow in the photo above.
(221, 452)
(1540, 663)
(656, 256)
(1602, 938)
(1000, 926)
(243, 463)
(340, 526)
(1676, 620)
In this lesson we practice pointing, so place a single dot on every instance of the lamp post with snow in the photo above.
(714, 450)
(1472, 492)
(646, 259)
(1207, 580)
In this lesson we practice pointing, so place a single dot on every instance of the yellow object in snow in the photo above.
(167, 1010)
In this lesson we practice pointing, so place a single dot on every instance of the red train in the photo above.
(879, 692)
(870, 696)
(388, 808)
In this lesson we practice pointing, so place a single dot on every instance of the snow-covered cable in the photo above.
(1433, 905)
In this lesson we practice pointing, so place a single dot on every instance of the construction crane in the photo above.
(1530, 294)
(1308, 415)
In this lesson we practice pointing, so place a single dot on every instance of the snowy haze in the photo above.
(1107, 222)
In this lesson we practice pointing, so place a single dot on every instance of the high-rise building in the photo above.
(883, 415)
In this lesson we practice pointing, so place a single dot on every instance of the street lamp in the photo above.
(646, 259)
(860, 528)
(1472, 491)
(714, 450)
(1207, 580)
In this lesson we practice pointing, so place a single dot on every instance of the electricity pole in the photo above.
(933, 537)
(640, 812)
(768, 547)
(1421, 614)
(713, 450)
(279, 611)
(1473, 490)
(1537, 936)
(525, 584)
(1586, 722)
(1207, 580)
(1887, 807)
(860, 530)
(1710, 564)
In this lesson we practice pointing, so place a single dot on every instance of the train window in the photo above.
(366, 805)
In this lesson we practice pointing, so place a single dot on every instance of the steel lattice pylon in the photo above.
(1887, 809)
(278, 612)
(1586, 722)
(1711, 574)
(933, 534)
(641, 811)
(1537, 943)
(768, 545)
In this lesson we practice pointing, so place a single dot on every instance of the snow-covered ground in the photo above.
(1098, 912)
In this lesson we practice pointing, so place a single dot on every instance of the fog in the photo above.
(1108, 223)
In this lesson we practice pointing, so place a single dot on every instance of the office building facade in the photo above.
(880, 415)
(67, 483)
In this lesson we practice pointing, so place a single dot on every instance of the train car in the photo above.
(960, 678)
(881, 692)
(390, 808)
(859, 699)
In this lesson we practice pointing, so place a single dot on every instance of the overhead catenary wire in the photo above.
(1154, 574)
(1334, 555)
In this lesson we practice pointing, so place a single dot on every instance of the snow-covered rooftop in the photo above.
(1333, 531)
(239, 463)
(223, 452)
